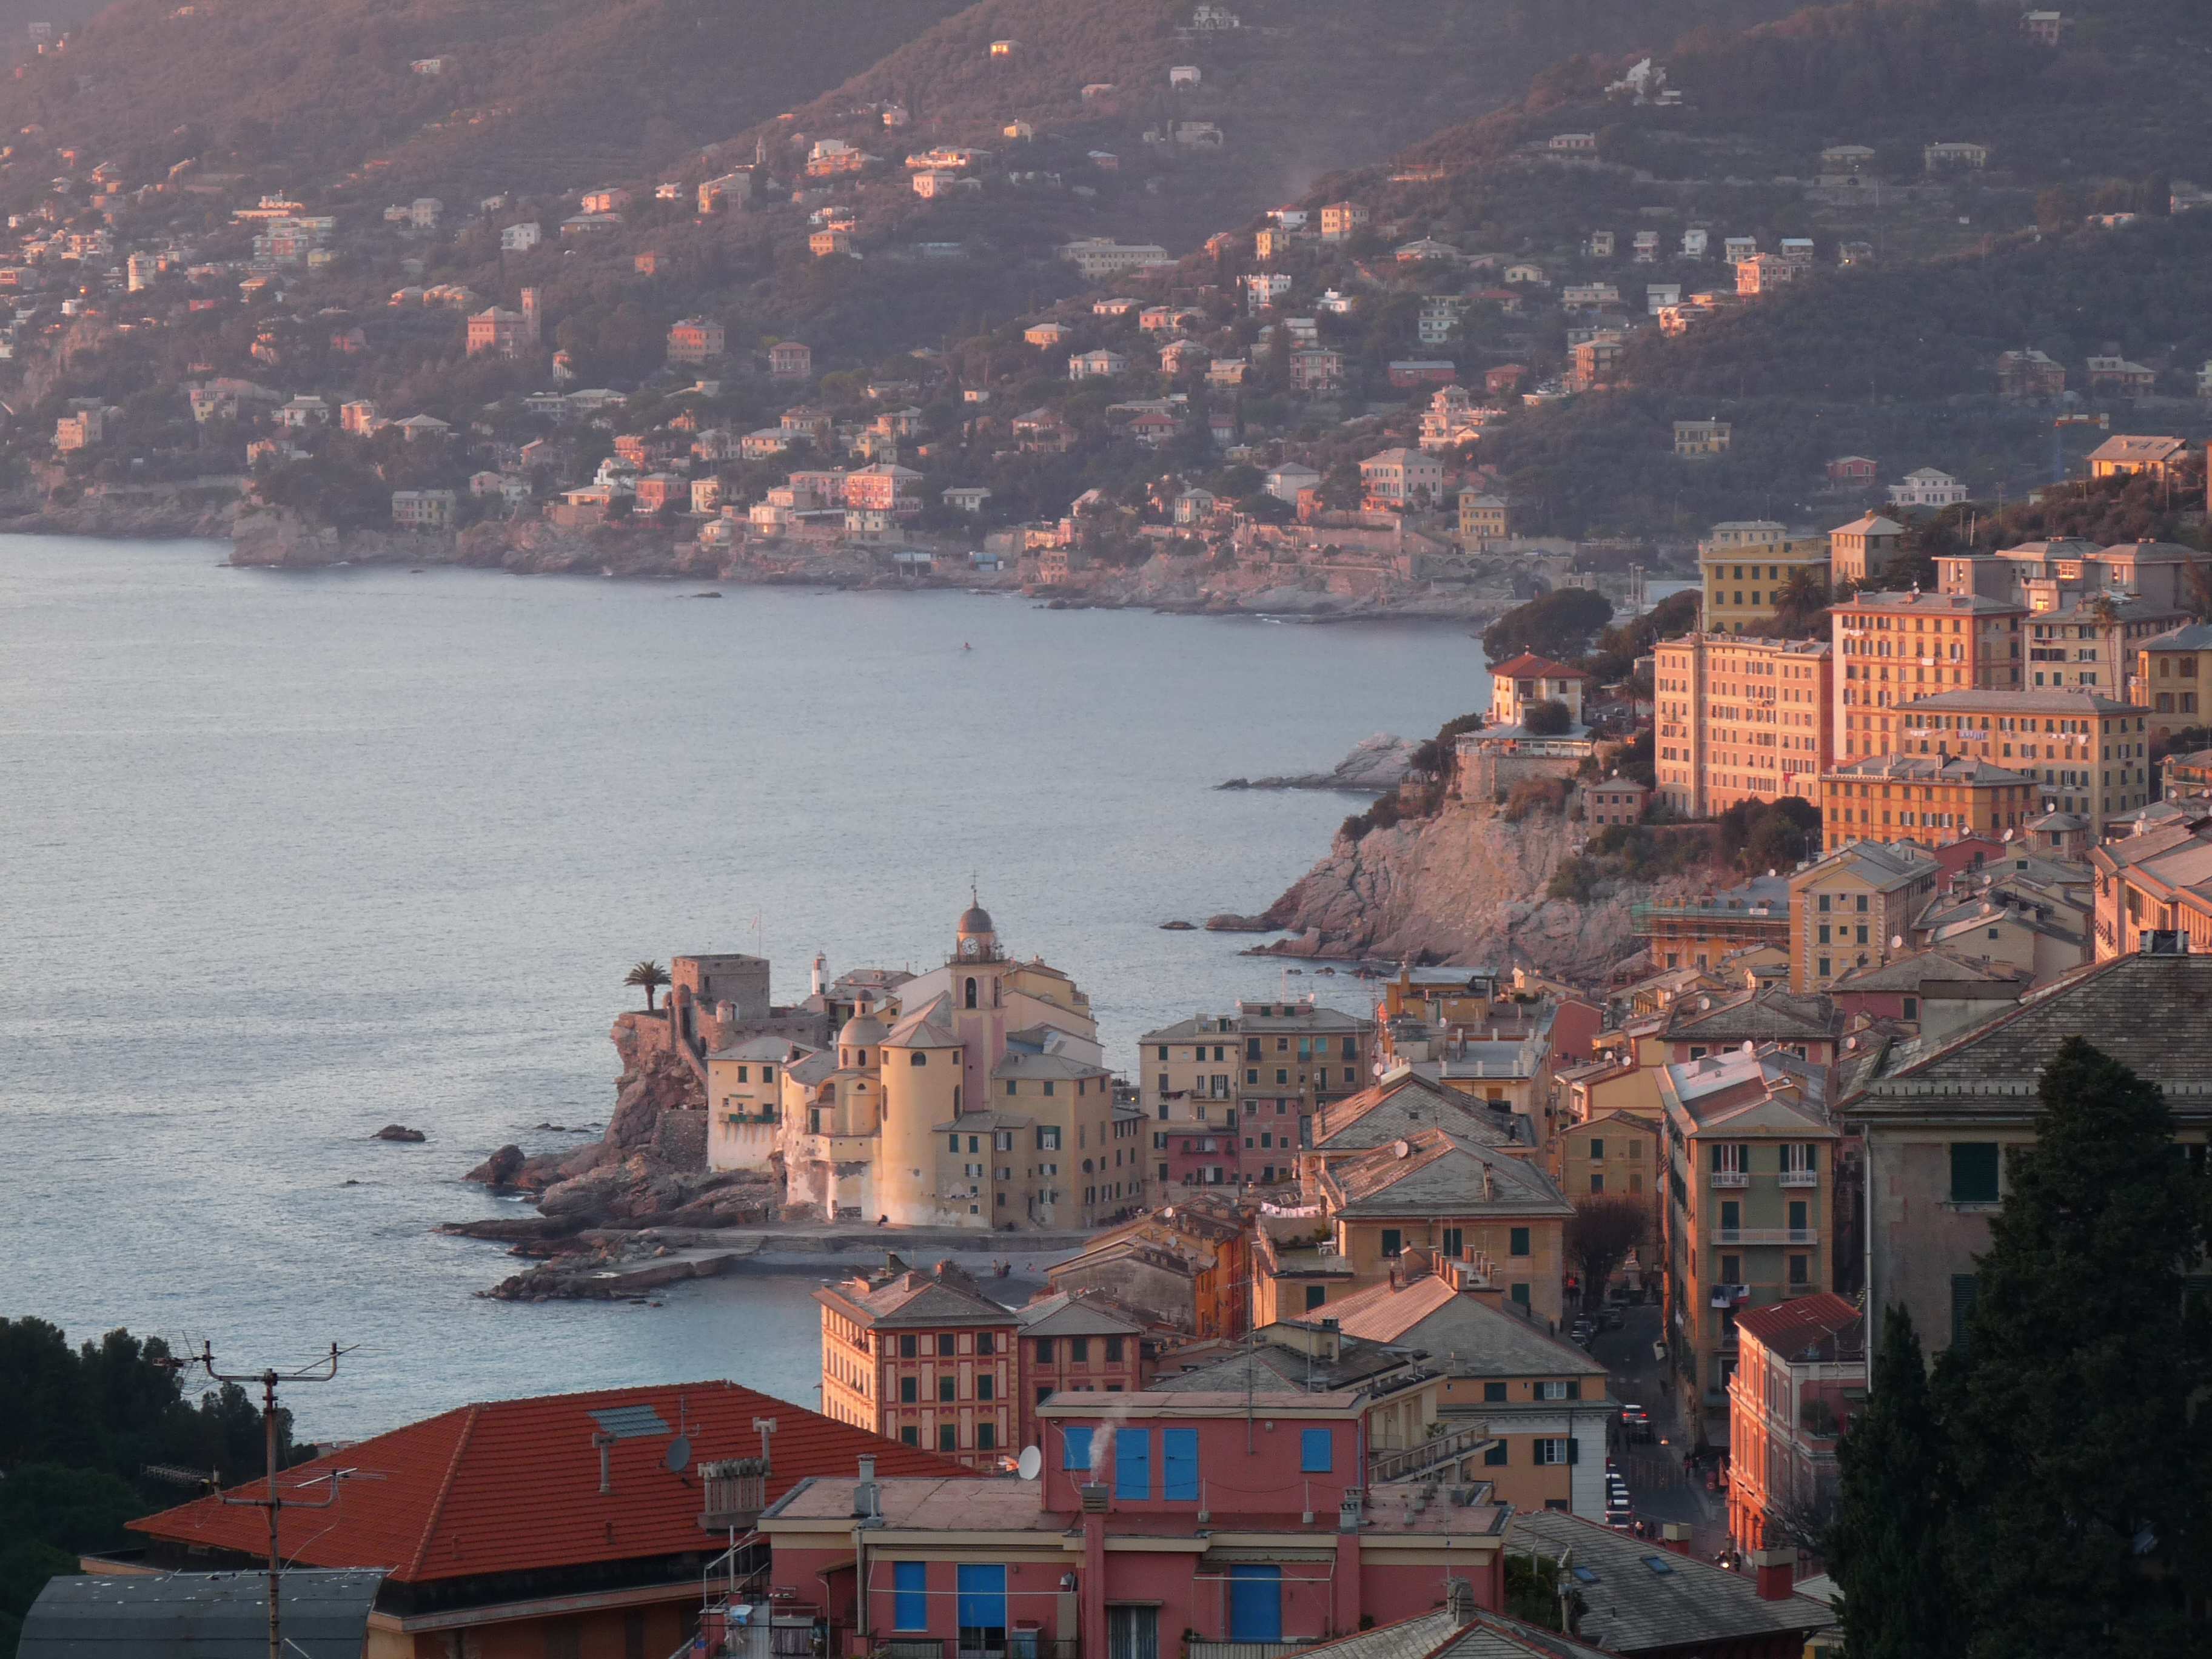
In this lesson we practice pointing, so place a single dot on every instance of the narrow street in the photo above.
(1657, 1485)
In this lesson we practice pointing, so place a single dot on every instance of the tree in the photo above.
(1885, 1548)
(1558, 625)
(1604, 1228)
(648, 977)
(1546, 718)
(2070, 1401)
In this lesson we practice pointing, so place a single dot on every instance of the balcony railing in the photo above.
(1766, 1236)
(1402, 1462)
(1801, 1177)
(1196, 1649)
(1731, 1178)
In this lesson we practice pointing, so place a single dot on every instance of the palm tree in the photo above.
(649, 976)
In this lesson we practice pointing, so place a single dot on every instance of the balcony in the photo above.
(1801, 1177)
(1731, 1178)
(1404, 1462)
(1196, 1649)
(1766, 1236)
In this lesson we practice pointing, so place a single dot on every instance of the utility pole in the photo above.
(321, 1371)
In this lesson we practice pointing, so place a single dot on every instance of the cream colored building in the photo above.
(972, 1095)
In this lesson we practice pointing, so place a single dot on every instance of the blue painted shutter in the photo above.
(1314, 1451)
(1179, 1465)
(1132, 1462)
(910, 1605)
(1255, 1603)
(983, 1598)
(1075, 1448)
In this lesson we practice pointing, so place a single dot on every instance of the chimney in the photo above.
(1676, 1537)
(1093, 1495)
(1459, 1599)
(864, 1495)
(1347, 1513)
(1775, 1569)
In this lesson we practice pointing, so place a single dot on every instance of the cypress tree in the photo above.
(2069, 1407)
(1885, 1548)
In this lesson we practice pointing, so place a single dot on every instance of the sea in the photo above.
(291, 856)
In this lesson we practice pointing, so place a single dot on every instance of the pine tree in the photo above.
(2067, 1408)
(1886, 1548)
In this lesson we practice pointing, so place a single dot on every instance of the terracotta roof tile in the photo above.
(512, 1486)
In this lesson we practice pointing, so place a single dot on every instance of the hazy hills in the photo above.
(534, 95)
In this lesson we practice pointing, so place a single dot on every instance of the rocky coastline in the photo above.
(1375, 766)
(1465, 887)
(598, 1204)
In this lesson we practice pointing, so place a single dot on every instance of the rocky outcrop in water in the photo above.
(1464, 886)
(1375, 765)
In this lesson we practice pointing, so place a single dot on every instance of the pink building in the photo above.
(1276, 1495)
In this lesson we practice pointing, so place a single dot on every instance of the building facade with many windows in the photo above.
(1740, 717)
(924, 1358)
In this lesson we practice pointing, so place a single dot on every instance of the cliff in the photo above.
(1465, 886)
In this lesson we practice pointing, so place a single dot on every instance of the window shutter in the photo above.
(1574, 1390)
(1574, 1450)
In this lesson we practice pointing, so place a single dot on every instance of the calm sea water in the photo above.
(288, 857)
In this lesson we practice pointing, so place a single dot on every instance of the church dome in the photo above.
(862, 1031)
(975, 920)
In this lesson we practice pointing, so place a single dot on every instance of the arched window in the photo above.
(971, 992)
(860, 1057)
(919, 1059)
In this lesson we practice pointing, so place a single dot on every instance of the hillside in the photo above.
(1892, 355)
(535, 94)
(1296, 90)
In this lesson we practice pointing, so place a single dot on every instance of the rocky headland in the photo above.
(1466, 885)
(646, 1171)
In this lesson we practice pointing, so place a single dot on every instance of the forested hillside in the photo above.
(1299, 90)
(533, 93)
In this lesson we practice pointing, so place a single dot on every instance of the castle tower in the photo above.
(529, 315)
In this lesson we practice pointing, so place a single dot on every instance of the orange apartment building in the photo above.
(1078, 1345)
(2157, 882)
(2086, 753)
(1740, 718)
(923, 1358)
(1932, 798)
(1801, 1371)
(1891, 648)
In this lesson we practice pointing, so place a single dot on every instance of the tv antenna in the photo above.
(274, 1501)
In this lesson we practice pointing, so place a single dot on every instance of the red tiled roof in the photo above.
(513, 1486)
(1529, 666)
(1786, 1328)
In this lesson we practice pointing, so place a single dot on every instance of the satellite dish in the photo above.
(1030, 1463)
(1748, 1046)
(1897, 941)
(677, 1457)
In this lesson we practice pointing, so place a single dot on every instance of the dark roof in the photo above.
(512, 1486)
(903, 1297)
(1632, 1606)
(1771, 1015)
(1442, 1633)
(1919, 969)
(1439, 1173)
(1264, 1367)
(2146, 1012)
(1405, 1104)
(198, 1615)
